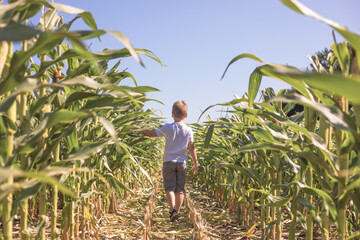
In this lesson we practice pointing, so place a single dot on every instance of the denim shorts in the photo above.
(174, 175)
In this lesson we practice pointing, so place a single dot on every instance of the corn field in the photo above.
(66, 123)
(69, 155)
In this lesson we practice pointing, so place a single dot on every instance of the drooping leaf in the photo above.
(285, 73)
(209, 134)
(109, 127)
(353, 184)
(122, 38)
(89, 150)
(254, 84)
(333, 114)
(85, 15)
(248, 172)
(82, 80)
(353, 38)
(28, 85)
(17, 32)
(327, 199)
(277, 201)
(8, 10)
(241, 56)
(80, 96)
(65, 116)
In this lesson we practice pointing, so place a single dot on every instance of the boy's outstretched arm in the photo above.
(147, 132)
(192, 150)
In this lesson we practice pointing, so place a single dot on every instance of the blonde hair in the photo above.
(179, 109)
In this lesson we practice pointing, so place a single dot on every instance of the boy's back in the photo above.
(177, 136)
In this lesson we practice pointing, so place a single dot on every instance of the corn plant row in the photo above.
(148, 213)
(66, 143)
(267, 165)
(195, 218)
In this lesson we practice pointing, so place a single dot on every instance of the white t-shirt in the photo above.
(177, 136)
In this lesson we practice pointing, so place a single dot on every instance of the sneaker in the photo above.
(174, 217)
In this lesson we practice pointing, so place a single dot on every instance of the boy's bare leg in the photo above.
(171, 199)
(179, 199)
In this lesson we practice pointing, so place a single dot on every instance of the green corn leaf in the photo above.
(353, 38)
(254, 84)
(123, 120)
(5, 173)
(117, 185)
(249, 172)
(150, 54)
(49, 21)
(29, 142)
(89, 150)
(42, 176)
(45, 43)
(354, 235)
(124, 40)
(77, 53)
(72, 139)
(333, 114)
(28, 85)
(140, 89)
(8, 10)
(277, 201)
(25, 193)
(88, 19)
(17, 32)
(138, 165)
(9, 123)
(241, 56)
(335, 83)
(342, 53)
(209, 134)
(65, 116)
(82, 80)
(318, 142)
(103, 103)
(299, 129)
(353, 184)
(260, 146)
(109, 127)
(112, 54)
(282, 72)
(80, 96)
(38, 104)
(327, 199)
(261, 134)
(6, 189)
(355, 195)
(86, 16)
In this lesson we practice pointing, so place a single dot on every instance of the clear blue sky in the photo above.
(197, 39)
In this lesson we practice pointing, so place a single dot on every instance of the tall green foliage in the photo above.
(72, 131)
(308, 162)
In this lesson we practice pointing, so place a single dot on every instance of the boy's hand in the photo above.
(195, 169)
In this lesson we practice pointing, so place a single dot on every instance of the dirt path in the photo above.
(200, 218)
(129, 222)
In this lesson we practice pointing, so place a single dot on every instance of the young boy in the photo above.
(179, 139)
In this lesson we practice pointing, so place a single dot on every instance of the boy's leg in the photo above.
(169, 176)
(170, 196)
(179, 199)
(180, 185)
